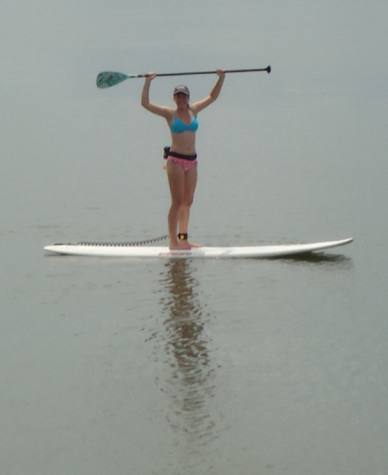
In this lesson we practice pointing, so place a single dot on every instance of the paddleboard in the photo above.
(125, 250)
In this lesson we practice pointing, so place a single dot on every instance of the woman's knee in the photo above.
(183, 202)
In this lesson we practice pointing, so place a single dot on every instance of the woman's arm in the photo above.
(163, 111)
(200, 105)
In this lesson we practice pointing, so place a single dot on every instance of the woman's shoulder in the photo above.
(164, 111)
(196, 108)
(169, 112)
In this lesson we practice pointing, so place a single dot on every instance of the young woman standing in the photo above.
(182, 156)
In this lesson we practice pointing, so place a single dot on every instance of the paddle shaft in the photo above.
(111, 78)
(268, 70)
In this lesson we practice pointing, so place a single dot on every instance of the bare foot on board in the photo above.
(180, 246)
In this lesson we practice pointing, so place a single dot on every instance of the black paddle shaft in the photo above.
(112, 78)
(267, 69)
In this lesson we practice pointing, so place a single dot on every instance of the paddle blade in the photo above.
(110, 78)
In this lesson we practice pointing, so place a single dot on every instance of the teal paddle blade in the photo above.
(109, 79)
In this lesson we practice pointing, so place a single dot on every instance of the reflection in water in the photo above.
(329, 261)
(187, 368)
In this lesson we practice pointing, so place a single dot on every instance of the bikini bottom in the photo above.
(185, 164)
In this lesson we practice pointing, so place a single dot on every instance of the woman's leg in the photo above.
(182, 188)
(190, 183)
(176, 179)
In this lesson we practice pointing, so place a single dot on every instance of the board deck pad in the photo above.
(125, 250)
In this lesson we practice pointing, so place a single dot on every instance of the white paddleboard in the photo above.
(122, 250)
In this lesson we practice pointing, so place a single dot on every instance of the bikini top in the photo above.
(179, 126)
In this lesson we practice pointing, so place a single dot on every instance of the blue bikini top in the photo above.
(178, 126)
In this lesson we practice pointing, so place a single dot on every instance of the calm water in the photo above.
(198, 367)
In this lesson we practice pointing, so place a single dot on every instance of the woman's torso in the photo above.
(183, 128)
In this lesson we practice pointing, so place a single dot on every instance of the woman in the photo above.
(182, 157)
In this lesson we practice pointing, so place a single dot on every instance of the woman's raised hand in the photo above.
(150, 76)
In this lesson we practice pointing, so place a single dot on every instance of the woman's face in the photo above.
(181, 99)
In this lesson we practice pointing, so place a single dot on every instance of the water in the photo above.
(217, 367)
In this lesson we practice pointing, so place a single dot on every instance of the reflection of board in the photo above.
(122, 250)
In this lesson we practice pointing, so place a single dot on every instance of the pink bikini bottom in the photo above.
(185, 164)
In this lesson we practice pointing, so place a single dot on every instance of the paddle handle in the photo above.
(267, 69)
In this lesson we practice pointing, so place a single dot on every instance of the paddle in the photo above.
(111, 78)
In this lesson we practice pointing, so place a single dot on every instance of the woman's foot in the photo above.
(182, 243)
(180, 246)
